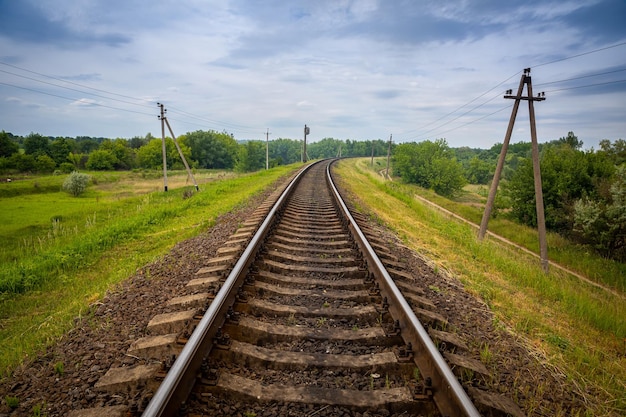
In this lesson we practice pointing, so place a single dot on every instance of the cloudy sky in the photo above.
(349, 69)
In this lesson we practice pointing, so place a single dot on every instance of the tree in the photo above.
(326, 148)
(7, 146)
(35, 144)
(101, 160)
(567, 175)
(479, 171)
(251, 156)
(86, 145)
(430, 165)
(44, 164)
(137, 142)
(602, 223)
(60, 149)
(22, 162)
(572, 141)
(76, 183)
(211, 149)
(77, 159)
(124, 155)
(616, 151)
(285, 151)
(151, 155)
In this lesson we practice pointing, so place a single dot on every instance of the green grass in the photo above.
(581, 328)
(469, 205)
(51, 270)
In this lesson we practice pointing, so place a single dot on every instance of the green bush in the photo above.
(76, 183)
(44, 164)
(430, 165)
(66, 167)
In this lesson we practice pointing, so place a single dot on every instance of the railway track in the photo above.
(303, 312)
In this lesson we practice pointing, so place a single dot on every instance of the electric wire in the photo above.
(497, 111)
(462, 106)
(458, 117)
(74, 99)
(74, 89)
(70, 82)
(143, 102)
(586, 86)
(579, 55)
(581, 77)
(205, 126)
(204, 119)
(537, 85)
(480, 118)
(243, 128)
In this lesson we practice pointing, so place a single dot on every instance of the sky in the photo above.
(412, 70)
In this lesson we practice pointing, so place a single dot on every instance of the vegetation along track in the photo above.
(301, 314)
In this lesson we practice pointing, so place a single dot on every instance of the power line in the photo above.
(143, 103)
(588, 85)
(499, 84)
(74, 89)
(460, 107)
(581, 54)
(74, 99)
(461, 115)
(475, 120)
(204, 119)
(69, 82)
(204, 126)
(581, 77)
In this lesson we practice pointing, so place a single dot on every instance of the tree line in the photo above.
(202, 149)
(584, 191)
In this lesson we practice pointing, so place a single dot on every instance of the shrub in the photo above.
(101, 160)
(66, 167)
(76, 183)
(44, 164)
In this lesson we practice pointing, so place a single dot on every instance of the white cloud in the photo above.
(349, 68)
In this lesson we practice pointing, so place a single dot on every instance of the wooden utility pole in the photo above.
(164, 121)
(306, 132)
(180, 152)
(541, 221)
(267, 149)
(372, 163)
(388, 156)
(162, 118)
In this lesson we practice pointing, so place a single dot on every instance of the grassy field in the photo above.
(61, 253)
(580, 329)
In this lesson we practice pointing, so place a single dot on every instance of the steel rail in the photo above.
(449, 395)
(176, 386)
